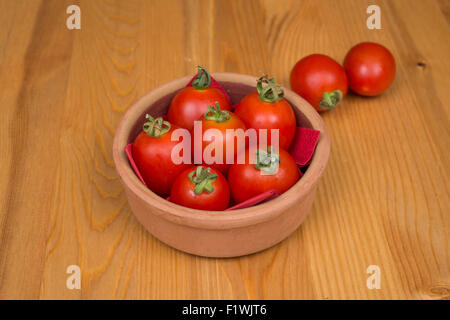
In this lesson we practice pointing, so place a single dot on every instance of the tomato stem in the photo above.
(331, 100)
(202, 80)
(267, 161)
(271, 92)
(155, 127)
(202, 179)
(217, 115)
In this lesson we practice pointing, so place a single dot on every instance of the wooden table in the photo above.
(384, 199)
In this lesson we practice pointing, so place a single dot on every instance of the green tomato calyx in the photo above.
(270, 92)
(155, 127)
(202, 80)
(331, 100)
(267, 161)
(217, 115)
(202, 178)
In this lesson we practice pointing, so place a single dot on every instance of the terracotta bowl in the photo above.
(225, 233)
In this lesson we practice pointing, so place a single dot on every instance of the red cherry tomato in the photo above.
(201, 188)
(267, 109)
(370, 68)
(262, 171)
(191, 103)
(320, 80)
(221, 120)
(152, 150)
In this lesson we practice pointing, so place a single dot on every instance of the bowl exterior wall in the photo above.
(221, 242)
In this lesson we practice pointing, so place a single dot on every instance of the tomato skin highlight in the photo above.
(316, 74)
(370, 68)
(183, 194)
(258, 114)
(152, 156)
(246, 181)
(233, 123)
(190, 104)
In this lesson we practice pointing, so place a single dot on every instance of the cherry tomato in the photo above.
(262, 171)
(221, 120)
(267, 109)
(320, 80)
(152, 150)
(201, 188)
(370, 68)
(191, 103)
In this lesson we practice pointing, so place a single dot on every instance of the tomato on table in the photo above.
(191, 103)
(263, 170)
(221, 120)
(267, 109)
(152, 150)
(320, 80)
(202, 188)
(370, 68)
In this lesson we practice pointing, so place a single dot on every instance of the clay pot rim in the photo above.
(217, 220)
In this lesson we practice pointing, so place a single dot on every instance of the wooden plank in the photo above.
(384, 199)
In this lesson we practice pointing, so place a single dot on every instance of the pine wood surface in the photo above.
(383, 200)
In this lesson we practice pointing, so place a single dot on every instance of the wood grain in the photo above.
(384, 199)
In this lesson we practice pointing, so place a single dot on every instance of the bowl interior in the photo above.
(156, 103)
(236, 91)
